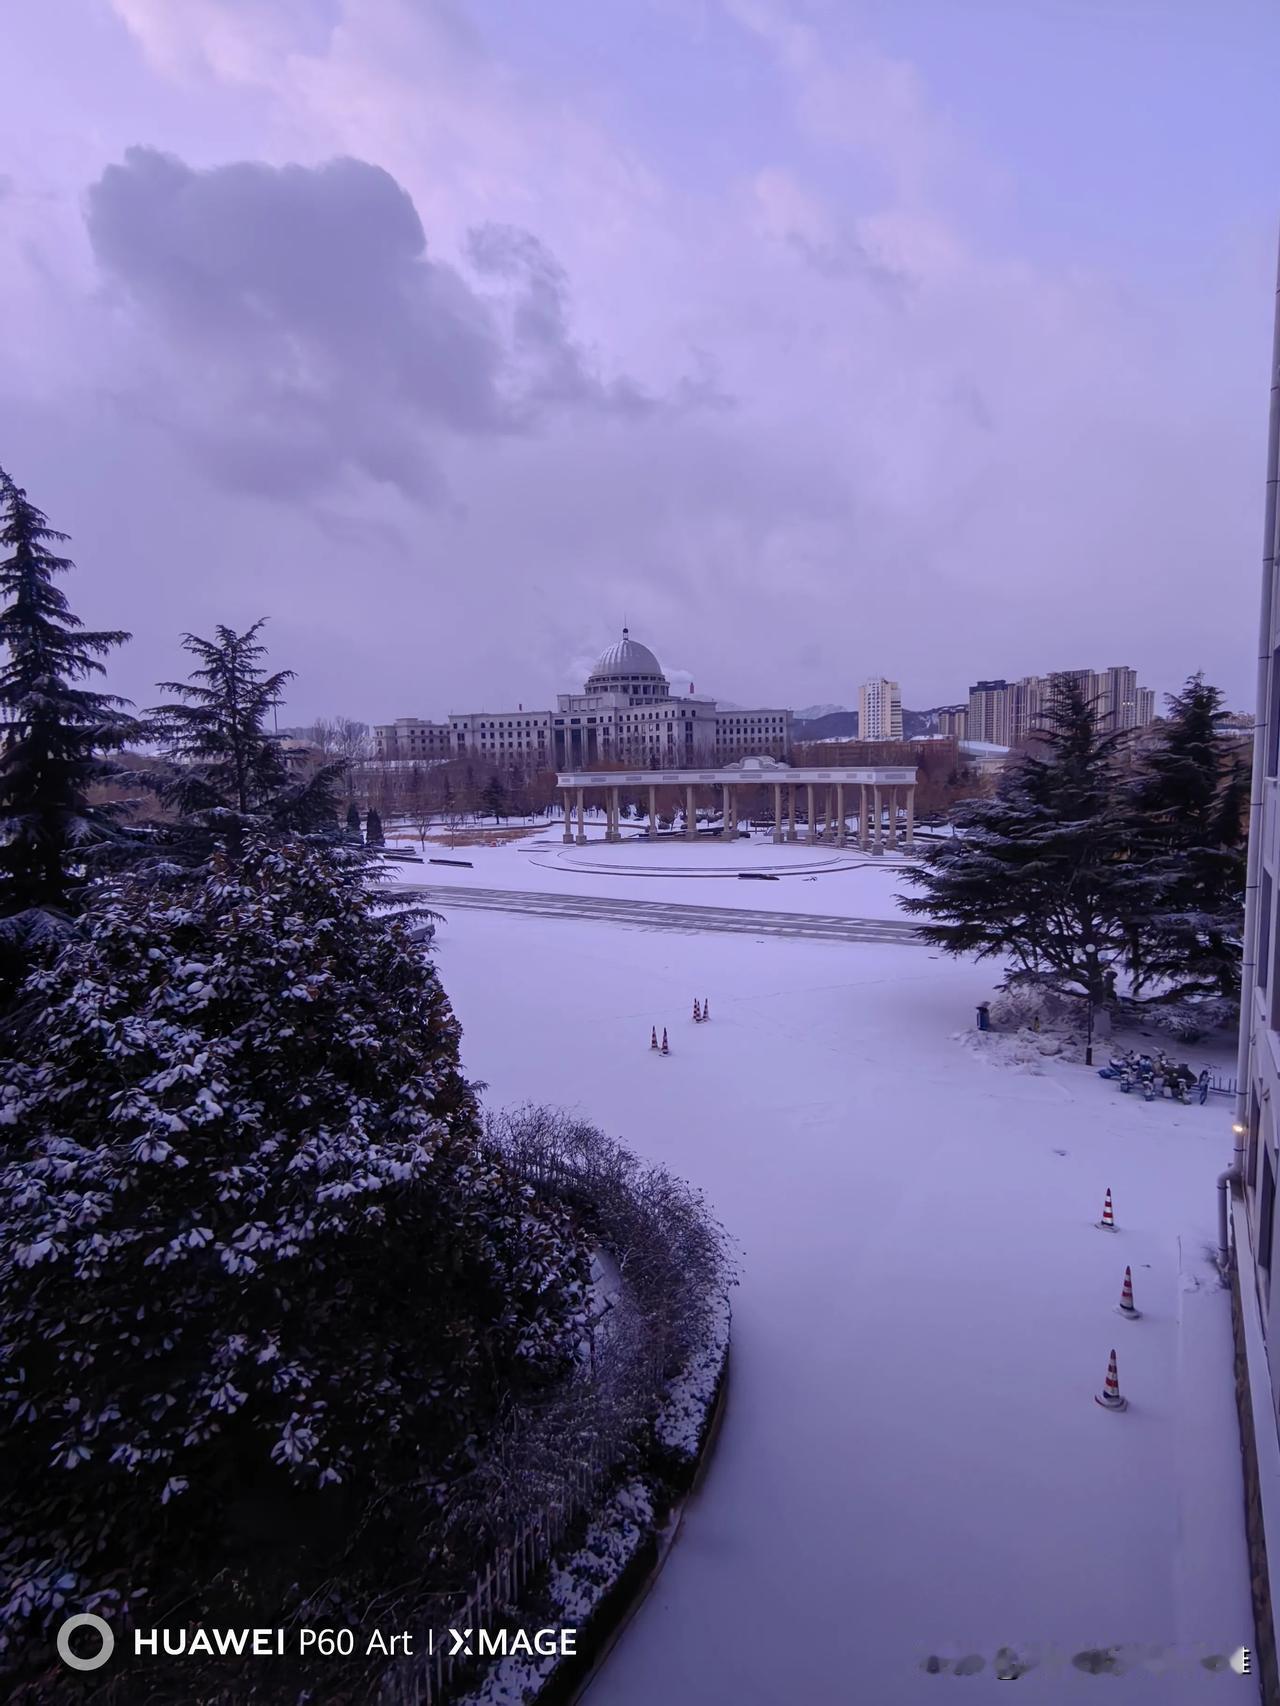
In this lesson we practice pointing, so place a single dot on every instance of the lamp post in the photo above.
(1088, 1043)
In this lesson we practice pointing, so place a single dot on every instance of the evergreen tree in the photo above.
(54, 736)
(373, 828)
(266, 1293)
(1041, 872)
(353, 821)
(1190, 844)
(229, 771)
(494, 798)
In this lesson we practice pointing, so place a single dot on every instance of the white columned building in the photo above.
(879, 798)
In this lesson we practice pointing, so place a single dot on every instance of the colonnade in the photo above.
(878, 810)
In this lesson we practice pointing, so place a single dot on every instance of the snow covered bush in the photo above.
(265, 1290)
(1189, 1021)
(1024, 1004)
(673, 1257)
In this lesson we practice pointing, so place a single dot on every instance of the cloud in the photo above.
(301, 331)
(552, 368)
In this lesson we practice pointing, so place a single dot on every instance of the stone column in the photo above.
(690, 821)
(777, 811)
(877, 827)
(831, 814)
(811, 810)
(582, 818)
(840, 830)
(893, 819)
(911, 816)
(791, 811)
(614, 832)
(726, 809)
(653, 811)
(568, 813)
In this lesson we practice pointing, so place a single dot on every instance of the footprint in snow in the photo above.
(1059, 1152)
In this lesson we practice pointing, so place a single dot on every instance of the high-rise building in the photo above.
(1003, 712)
(879, 710)
(954, 720)
(989, 712)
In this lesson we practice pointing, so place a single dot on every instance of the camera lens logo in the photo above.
(85, 1620)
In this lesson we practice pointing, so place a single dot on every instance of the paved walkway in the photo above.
(667, 915)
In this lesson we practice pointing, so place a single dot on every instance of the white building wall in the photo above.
(879, 710)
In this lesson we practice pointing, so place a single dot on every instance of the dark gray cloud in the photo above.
(308, 332)
(553, 368)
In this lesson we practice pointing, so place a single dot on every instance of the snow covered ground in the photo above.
(911, 1460)
(812, 879)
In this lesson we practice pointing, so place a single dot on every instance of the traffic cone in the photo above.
(1109, 1397)
(665, 1049)
(653, 1037)
(697, 1011)
(1108, 1221)
(706, 1008)
(1125, 1306)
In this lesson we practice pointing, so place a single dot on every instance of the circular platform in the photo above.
(707, 857)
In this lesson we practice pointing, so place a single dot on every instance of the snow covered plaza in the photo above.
(911, 1461)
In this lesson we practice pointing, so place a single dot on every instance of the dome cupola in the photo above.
(630, 668)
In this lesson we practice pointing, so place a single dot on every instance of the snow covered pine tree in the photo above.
(1041, 871)
(227, 769)
(1192, 800)
(53, 738)
(264, 1290)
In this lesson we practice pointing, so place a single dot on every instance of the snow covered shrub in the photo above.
(1022, 1004)
(264, 1289)
(1188, 1021)
(673, 1257)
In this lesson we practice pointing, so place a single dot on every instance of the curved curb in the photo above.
(568, 1682)
(729, 872)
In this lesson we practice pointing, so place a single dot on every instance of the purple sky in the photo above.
(819, 340)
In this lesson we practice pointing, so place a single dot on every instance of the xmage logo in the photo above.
(502, 1643)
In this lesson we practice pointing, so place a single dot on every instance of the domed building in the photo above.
(625, 714)
(631, 669)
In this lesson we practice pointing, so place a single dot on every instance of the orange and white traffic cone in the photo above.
(706, 1008)
(1108, 1221)
(653, 1037)
(697, 1011)
(665, 1049)
(1125, 1306)
(1109, 1397)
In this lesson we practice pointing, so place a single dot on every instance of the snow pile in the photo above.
(1024, 1050)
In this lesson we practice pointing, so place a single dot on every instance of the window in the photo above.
(1266, 1217)
(1273, 714)
(1251, 1156)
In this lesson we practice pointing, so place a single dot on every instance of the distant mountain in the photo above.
(832, 725)
(835, 724)
(811, 713)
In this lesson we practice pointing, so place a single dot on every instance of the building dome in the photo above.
(630, 668)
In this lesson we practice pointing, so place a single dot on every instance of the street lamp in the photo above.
(1088, 1045)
